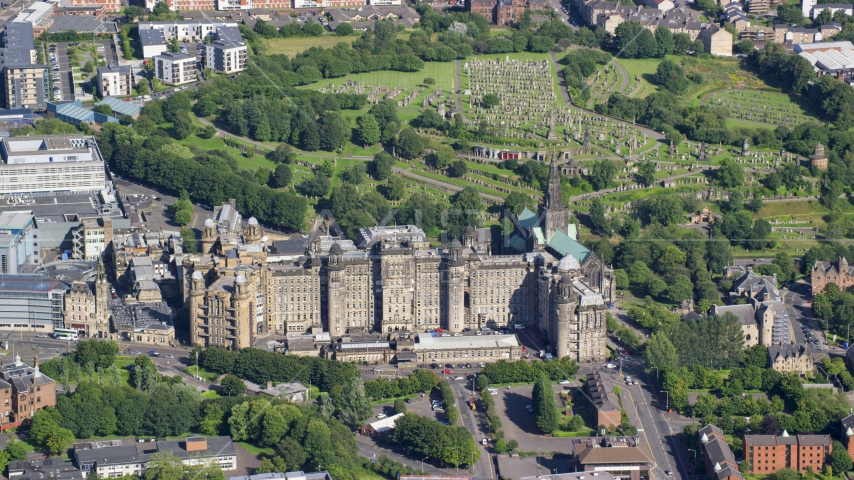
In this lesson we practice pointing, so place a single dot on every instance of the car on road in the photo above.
(136, 352)
(563, 382)
(484, 441)
(668, 472)
(610, 365)
(459, 378)
(169, 356)
(628, 378)
(448, 371)
(610, 304)
(382, 415)
(378, 370)
(41, 335)
(153, 353)
(434, 365)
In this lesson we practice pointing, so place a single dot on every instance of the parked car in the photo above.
(611, 365)
(136, 352)
(41, 335)
(382, 415)
(563, 382)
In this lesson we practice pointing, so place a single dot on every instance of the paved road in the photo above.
(795, 298)
(661, 436)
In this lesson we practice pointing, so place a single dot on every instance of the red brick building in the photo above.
(503, 12)
(848, 432)
(768, 453)
(23, 391)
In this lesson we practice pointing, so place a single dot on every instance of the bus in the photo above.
(64, 334)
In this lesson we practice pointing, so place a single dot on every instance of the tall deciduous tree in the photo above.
(352, 405)
(545, 406)
(659, 353)
(601, 224)
(369, 130)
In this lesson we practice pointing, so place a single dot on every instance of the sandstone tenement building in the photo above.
(838, 272)
(394, 282)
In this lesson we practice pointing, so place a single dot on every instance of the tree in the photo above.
(603, 172)
(839, 458)
(409, 144)
(730, 174)
(59, 441)
(744, 467)
(232, 385)
(490, 100)
(680, 289)
(517, 201)
(601, 225)
(16, 450)
(671, 76)
(396, 188)
(355, 175)
(428, 81)
(457, 169)
(664, 41)
(282, 154)
(352, 405)
(381, 166)
(143, 376)
(281, 176)
(344, 29)
(545, 406)
(183, 217)
(103, 109)
(182, 126)
(399, 406)
(369, 130)
(291, 452)
(646, 173)
(659, 353)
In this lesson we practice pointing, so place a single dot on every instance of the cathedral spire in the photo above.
(553, 198)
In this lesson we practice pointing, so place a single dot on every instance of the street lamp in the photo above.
(422, 463)
(668, 399)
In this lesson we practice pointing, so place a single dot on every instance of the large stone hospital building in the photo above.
(392, 281)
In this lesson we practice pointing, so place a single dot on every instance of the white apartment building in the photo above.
(115, 81)
(175, 68)
(225, 56)
(42, 164)
(189, 30)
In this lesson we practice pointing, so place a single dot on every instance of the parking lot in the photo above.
(418, 405)
(61, 68)
(518, 424)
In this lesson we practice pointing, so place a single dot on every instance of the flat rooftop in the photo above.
(426, 341)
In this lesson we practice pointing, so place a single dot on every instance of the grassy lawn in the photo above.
(643, 69)
(291, 46)
(257, 450)
(211, 394)
(208, 376)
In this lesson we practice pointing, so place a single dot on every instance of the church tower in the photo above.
(556, 213)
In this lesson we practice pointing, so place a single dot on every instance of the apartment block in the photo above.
(115, 81)
(175, 68)
(225, 56)
(769, 453)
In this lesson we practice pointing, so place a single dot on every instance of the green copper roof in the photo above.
(527, 218)
(563, 245)
(572, 231)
